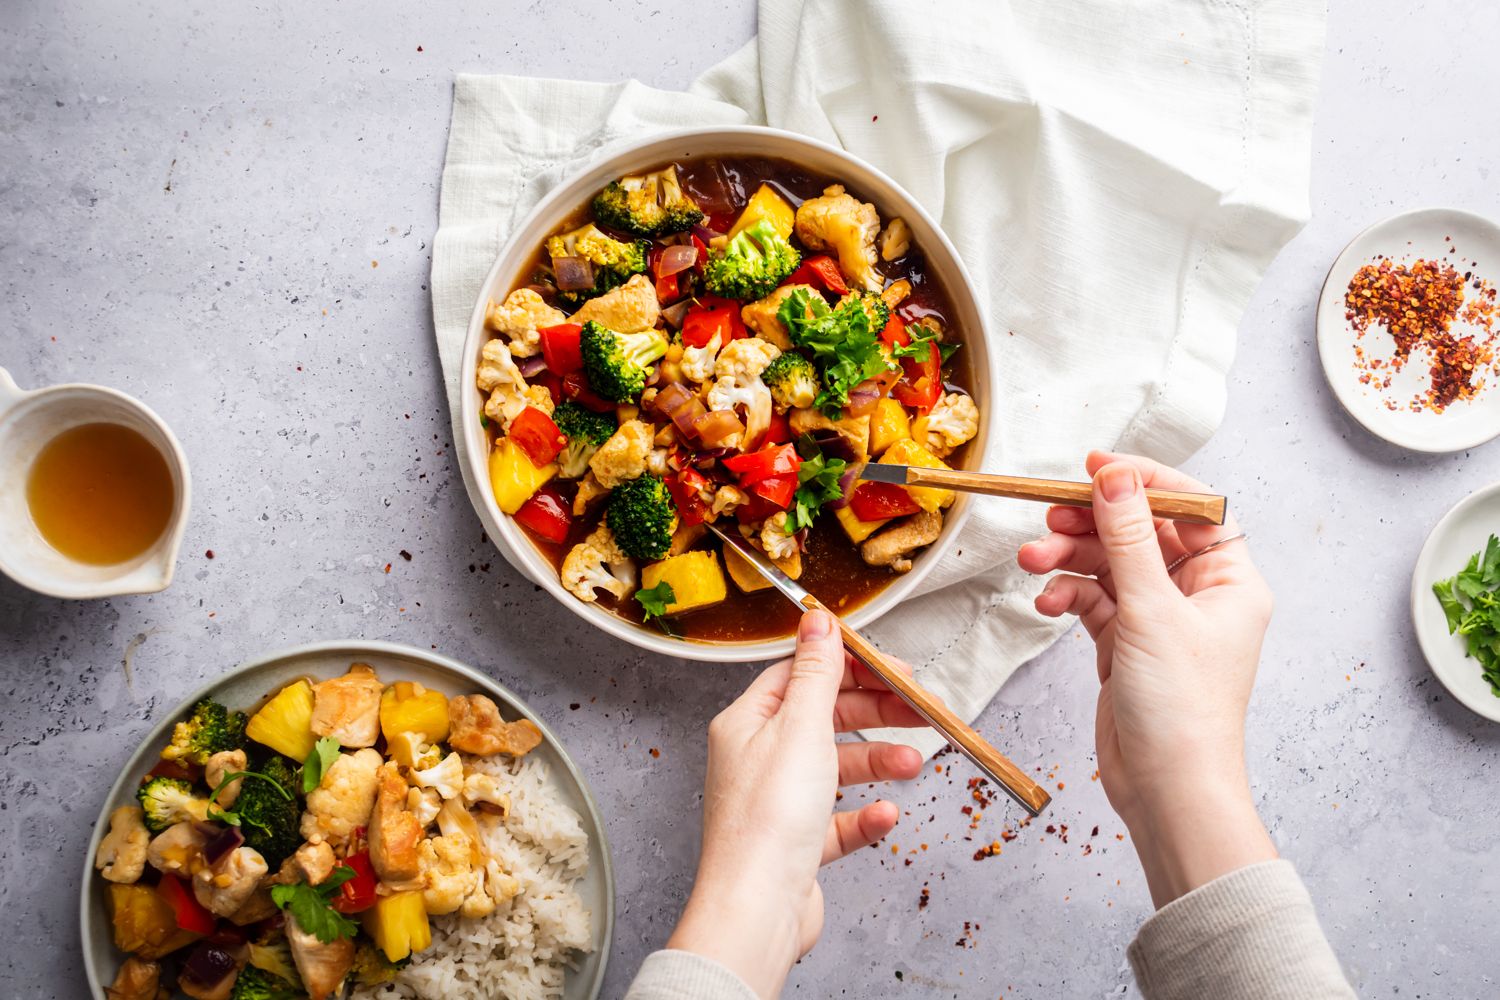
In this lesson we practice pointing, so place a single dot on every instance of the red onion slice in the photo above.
(863, 397)
(676, 312)
(574, 274)
(530, 366)
(684, 409)
(705, 234)
(716, 427)
(208, 966)
(675, 260)
(221, 843)
(846, 487)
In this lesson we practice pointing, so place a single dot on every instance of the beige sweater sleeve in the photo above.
(1249, 934)
(681, 975)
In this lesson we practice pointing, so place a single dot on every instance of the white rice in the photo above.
(522, 950)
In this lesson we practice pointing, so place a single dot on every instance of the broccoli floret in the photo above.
(651, 204)
(752, 264)
(792, 380)
(614, 262)
(875, 308)
(371, 967)
(209, 728)
(586, 431)
(642, 517)
(615, 363)
(269, 819)
(258, 984)
(166, 801)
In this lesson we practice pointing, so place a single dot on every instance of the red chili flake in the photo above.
(387, 567)
(654, 752)
(208, 553)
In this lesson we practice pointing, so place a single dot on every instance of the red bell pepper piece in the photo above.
(822, 272)
(550, 381)
(684, 487)
(576, 387)
(535, 433)
(548, 514)
(191, 915)
(702, 253)
(711, 315)
(779, 431)
(560, 347)
(779, 490)
(921, 385)
(872, 501)
(757, 509)
(894, 332)
(667, 287)
(772, 460)
(357, 894)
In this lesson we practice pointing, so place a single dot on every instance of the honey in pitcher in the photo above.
(100, 493)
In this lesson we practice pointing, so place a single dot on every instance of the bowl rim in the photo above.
(355, 647)
(959, 285)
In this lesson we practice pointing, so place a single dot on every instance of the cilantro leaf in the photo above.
(311, 906)
(818, 484)
(654, 600)
(1478, 620)
(843, 344)
(324, 753)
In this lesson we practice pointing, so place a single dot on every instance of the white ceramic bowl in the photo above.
(252, 681)
(516, 259)
(1463, 531)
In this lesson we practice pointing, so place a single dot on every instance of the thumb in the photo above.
(817, 668)
(1123, 520)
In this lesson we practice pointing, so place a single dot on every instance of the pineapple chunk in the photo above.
(856, 529)
(744, 575)
(696, 579)
(285, 722)
(144, 923)
(512, 476)
(888, 425)
(908, 452)
(408, 707)
(398, 924)
(766, 204)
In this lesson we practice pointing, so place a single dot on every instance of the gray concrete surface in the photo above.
(227, 209)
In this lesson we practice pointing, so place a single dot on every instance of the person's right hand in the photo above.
(1177, 656)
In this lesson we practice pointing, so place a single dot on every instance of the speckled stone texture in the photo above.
(226, 209)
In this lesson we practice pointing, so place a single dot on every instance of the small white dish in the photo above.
(1463, 531)
(31, 419)
(1424, 233)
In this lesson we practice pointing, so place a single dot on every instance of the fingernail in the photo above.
(1118, 482)
(815, 625)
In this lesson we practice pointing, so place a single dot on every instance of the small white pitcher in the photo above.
(28, 421)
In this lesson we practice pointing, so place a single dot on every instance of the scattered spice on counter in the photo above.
(924, 898)
(1418, 303)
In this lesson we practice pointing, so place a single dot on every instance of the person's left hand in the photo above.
(773, 774)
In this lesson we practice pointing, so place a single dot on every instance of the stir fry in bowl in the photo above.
(723, 340)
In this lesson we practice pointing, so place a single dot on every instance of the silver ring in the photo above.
(1175, 563)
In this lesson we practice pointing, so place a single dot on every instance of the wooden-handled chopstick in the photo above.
(1194, 508)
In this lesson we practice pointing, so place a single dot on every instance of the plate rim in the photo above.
(1324, 336)
(357, 647)
(1421, 587)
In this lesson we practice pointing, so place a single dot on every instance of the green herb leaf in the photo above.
(841, 340)
(324, 753)
(818, 483)
(654, 600)
(311, 906)
(1478, 620)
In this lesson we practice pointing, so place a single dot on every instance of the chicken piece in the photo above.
(122, 851)
(953, 421)
(394, 834)
(597, 563)
(322, 967)
(423, 803)
(519, 317)
(697, 363)
(893, 546)
(177, 850)
(348, 707)
(760, 315)
(218, 767)
(685, 537)
(482, 792)
(260, 906)
(589, 490)
(343, 799)
(313, 862)
(137, 979)
(475, 726)
(225, 886)
(447, 867)
(839, 222)
(630, 308)
(728, 499)
(854, 430)
(623, 456)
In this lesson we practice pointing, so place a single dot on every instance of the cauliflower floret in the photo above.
(411, 749)
(424, 803)
(519, 317)
(658, 463)
(778, 544)
(447, 866)
(954, 420)
(698, 362)
(589, 490)
(760, 315)
(623, 456)
(745, 359)
(492, 887)
(122, 851)
(447, 776)
(483, 791)
(505, 408)
(344, 798)
(630, 308)
(728, 499)
(840, 222)
(597, 563)
(728, 393)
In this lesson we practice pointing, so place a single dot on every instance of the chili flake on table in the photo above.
(1418, 303)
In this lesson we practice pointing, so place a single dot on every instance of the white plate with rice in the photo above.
(553, 841)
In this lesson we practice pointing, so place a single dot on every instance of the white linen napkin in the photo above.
(1116, 174)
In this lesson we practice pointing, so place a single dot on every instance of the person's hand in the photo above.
(1177, 656)
(768, 820)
